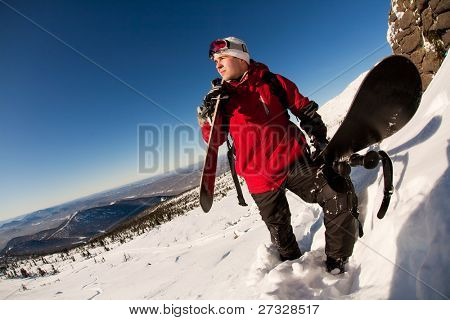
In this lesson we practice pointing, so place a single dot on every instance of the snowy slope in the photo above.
(226, 254)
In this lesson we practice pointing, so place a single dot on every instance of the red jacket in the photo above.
(266, 141)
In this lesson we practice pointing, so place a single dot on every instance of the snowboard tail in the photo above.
(385, 102)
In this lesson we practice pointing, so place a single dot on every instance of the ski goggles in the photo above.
(220, 45)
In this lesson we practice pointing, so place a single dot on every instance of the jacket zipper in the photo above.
(264, 104)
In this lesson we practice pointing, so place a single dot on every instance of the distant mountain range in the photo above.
(81, 227)
(80, 220)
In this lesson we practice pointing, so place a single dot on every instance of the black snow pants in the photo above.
(313, 183)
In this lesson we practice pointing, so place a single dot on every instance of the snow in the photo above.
(390, 34)
(395, 9)
(427, 45)
(226, 254)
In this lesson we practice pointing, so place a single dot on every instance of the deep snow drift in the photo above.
(226, 254)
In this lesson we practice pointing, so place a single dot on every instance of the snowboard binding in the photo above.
(370, 161)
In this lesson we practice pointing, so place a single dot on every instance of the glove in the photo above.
(309, 111)
(205, 112)
(319, 146)
(312, 124)
(203, 115)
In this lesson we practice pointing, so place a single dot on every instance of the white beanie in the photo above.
(238, 50)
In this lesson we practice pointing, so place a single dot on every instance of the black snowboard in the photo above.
(386, 100)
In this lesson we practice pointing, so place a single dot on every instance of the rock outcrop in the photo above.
(420, 30)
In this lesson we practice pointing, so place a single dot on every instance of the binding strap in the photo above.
(388, 186)
(231, 154)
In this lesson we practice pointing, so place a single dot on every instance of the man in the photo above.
(272, 154)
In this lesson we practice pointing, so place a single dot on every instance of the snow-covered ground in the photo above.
(226, 254)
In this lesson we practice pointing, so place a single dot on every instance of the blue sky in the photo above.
(68, 125)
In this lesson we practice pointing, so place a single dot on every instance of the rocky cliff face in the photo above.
(419, 29)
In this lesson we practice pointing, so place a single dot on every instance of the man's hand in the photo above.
(205, 112)
(319, 146)
(312, 124)
(202, 116)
